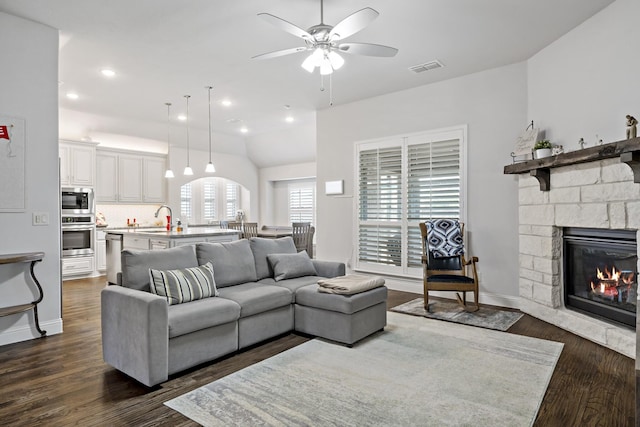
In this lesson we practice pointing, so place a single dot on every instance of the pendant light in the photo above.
(188, 170)
(210, 168)
(168, 173)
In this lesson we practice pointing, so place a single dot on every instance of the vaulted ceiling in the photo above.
(164, 49)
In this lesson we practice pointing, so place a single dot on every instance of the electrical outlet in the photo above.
(40, 218)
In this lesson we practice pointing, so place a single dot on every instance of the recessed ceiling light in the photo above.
(226, 102)
(107, 72)
(72, 95)
(182, 117)
(244, 129)
(289, 119)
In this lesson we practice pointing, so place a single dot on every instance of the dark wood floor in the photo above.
(61, 380)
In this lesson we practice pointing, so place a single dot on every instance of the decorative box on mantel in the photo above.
(628, 150)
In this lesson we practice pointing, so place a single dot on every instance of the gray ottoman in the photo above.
(342, 318)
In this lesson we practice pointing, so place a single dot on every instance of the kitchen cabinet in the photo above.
(77, 265)
(129, 177)
(101, 251)
(135, 242)
(156, 244)
(153, 179)
(77, 162)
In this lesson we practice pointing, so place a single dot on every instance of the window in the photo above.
(185, 202)
(209, 200)
(302, 202)
(231, 200)
(402, 182)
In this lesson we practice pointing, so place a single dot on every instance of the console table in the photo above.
(31, 257)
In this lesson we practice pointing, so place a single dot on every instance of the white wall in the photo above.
(493, 105)
(29, 89)
(269, 210)
(586, 82)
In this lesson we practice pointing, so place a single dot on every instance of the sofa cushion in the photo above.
(136, 264)
(348, 304)
(184, 284)
(233, 262)
(256, 298)
(290, 266)
(201, 314)
(294, 284)
(261, 247)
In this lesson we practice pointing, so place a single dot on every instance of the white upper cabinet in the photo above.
(153, 180)
(77, 164)
(128, 177)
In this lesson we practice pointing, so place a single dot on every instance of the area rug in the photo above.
(416, 372)
(485, 317)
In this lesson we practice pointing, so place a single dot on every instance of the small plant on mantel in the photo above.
(542, 149)
(542, 144)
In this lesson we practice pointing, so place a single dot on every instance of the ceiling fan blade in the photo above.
(353, 23)
(367, 49)
(285, 25)
(278, 53)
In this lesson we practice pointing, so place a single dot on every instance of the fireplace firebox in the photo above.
(600, 273)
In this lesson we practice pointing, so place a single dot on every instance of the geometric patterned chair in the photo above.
(443, 262)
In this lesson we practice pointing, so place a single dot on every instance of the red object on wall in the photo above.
(168, 222)
(4, 132)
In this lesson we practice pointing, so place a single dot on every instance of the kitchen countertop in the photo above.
(162, 233)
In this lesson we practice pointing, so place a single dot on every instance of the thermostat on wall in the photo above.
(334, 187)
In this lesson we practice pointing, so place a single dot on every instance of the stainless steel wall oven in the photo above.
(78, 235)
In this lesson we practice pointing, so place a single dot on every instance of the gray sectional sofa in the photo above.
(263, 288)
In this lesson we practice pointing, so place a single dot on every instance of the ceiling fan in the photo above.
(325, 41)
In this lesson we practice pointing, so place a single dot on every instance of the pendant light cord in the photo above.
(209, 88)
(188, 162)
(168, 104)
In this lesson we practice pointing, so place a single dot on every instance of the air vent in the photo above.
(432, 65)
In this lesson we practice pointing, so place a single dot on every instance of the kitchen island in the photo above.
(157, 238)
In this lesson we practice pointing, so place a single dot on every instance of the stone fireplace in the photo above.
(553, 198)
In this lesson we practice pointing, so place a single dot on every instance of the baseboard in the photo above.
(28, 332)
(415, 286)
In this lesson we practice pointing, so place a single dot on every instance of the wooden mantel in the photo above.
(628, 150)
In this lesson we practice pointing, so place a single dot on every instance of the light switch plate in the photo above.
(40, 218)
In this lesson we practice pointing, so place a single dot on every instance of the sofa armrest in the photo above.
(135, 333)
(329, 268)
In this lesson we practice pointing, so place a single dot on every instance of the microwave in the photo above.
(76, 201)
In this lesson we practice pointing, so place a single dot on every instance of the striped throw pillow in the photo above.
(185, 284)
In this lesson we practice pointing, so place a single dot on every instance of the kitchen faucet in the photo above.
(170, 215)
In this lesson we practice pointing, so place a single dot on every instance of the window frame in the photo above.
(404, 141)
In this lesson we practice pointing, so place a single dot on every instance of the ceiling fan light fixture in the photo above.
(309, 64)
(326, 68)
(336, 60)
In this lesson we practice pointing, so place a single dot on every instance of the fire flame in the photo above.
(608, 275)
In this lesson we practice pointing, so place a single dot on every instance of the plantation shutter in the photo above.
(185, 201)
(209, 202)
(433, 188)
(402, 182)
(231, 200)
(301, 203)
(380, 206)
